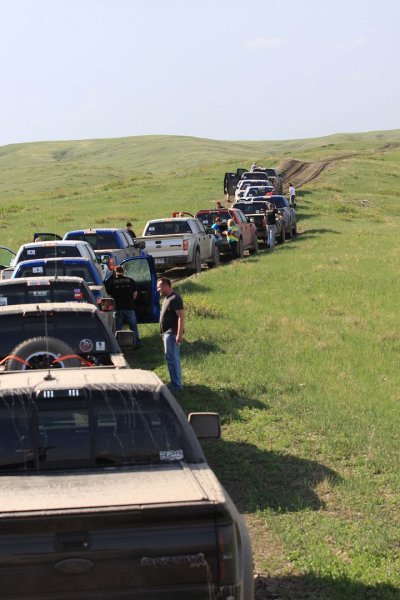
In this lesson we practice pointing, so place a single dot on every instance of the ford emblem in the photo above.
(74, 566)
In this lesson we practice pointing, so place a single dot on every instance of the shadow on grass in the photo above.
(151, 354)
(313, 587)
(258, 480)
(312, 233)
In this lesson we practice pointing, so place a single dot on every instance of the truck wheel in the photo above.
(40, 353)
(240, 250)
(282, 237)
(196, 266)
(216, 261)
(294, 229)
(289, 233)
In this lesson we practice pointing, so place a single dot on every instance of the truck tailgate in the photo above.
(108, 540)
(167, 245)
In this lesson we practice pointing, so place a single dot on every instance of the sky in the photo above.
(219, 69)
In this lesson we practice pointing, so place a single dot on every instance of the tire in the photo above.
(254, 249)
(294, 229)
(289, 233)
(196, 265)
(240, 250)
(40, 353)
(216, 262)
(282, 237)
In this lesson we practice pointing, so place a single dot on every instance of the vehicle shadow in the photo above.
(225, 401)
(312, 233)
(314, 587)
(258, 479)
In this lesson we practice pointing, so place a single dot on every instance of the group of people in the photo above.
(172, 318)
(228, 231)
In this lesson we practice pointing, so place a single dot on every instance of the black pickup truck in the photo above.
(106, 494)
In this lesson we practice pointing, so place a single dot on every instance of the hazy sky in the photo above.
(221, 69)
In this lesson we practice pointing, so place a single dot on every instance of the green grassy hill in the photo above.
(297, 350)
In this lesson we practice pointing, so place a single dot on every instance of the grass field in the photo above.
(297, 350)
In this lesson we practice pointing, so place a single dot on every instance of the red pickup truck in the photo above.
(248, 231)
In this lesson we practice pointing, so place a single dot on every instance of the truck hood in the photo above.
(109, 489)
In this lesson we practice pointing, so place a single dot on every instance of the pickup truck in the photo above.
(254, 211)
(56, 334)
(111, 245)
(106, 493)
(180, 242)
(248, 232)
(272, 174)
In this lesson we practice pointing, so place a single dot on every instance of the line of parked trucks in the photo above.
(105, 491)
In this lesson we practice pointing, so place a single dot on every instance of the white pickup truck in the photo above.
(180, 241)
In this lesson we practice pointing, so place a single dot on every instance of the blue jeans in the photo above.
(271, 230)
(129, 317)
(173, 360)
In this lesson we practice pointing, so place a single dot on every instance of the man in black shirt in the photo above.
(172, 320)
(130, 231)
(270, 217)
(124, 291)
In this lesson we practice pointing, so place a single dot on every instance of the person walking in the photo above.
(129, 230)
(270, 217)
(292, 195)
(233, 235)
(124, 291)
(172, 321)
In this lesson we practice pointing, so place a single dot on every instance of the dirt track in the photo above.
(299, 173)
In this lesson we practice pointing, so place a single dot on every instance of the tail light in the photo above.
(227, 554)
(111, 264)
(185, 245)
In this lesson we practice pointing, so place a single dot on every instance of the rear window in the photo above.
(52, 269)
(208, 219)
(98, 241)
(252, 208)
(168, 228)
(52, 292)
(104, 428)
(31, 253)
(83, 331)
(255, 175)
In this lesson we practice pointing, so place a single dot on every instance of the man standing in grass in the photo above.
(124, 291)
(292, 195)
(172, 320)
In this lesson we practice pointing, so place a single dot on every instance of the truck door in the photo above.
(239, 173)
(230, 183)
(143, 271)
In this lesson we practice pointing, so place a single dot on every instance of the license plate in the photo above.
(159, 261)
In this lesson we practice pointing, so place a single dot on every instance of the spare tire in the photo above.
(40, 353)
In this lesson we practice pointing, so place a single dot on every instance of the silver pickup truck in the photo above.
(180, 241)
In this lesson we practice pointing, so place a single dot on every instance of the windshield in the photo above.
(278, 201)
(54, 291)
(59, 430)
(168, 228)
(31, 252)
(51, 269)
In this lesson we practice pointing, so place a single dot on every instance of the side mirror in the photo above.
(140, 245)
(206, 424)
(107, 304)
(125, 338)
(105, 259)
